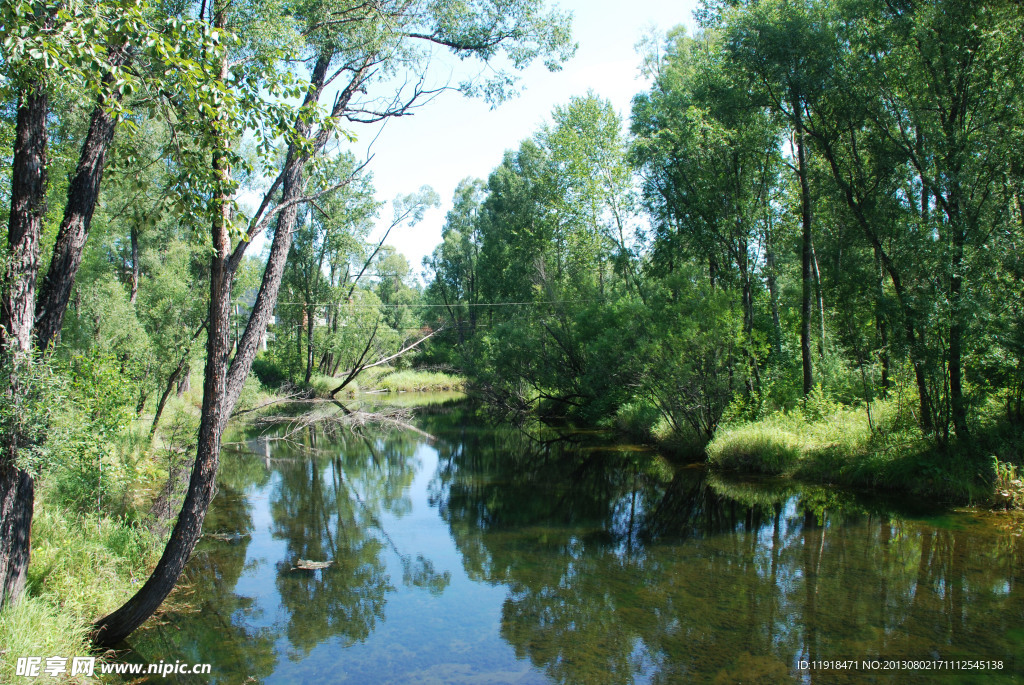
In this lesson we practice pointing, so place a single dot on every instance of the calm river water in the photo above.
(487, 554)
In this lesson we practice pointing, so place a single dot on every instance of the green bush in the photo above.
(268, 370)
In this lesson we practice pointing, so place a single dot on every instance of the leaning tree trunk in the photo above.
(17, 309)
(223, 383)
(116, 626)
(83, 193)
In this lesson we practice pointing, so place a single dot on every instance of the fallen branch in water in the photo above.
(337, 415)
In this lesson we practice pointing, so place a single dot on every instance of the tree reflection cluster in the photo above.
(619, 569)
(326, 502)
(615, 566)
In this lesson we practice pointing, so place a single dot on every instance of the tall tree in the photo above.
(360, 49)
(781, 46)
(47, 47)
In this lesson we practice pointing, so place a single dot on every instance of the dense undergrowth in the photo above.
(827, 442)
(106, 495)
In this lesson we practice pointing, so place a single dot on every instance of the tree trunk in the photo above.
(83, 193)
(135, 264)
(309, 346)
(753, 383)
(116, 626)
(16, 505)
(805, 252)
(956, 335)
(223, 382)
(914, 338)
(882, 326)
(821, 301)
(17, 310)
(24, 227)
(166, 393)
(773, 292)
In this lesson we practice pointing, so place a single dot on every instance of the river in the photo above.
(474, 553)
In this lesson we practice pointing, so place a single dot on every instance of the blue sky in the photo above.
(453, 137)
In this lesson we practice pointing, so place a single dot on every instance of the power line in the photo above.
(443, 306)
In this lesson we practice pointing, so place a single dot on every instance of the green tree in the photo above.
(361, 51)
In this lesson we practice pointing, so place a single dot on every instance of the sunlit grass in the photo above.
(386, 379)
(81, 568)
(840, 446)
(413, 380)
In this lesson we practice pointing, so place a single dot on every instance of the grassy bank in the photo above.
(93, 539)
(840, 446)
(387, 379)
(829, 443)
(83, 566)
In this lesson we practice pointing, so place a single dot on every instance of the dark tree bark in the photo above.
(223, 382)
(806, 256)
(28, 207)
(17, 310)
(16, 505)
(83, 192)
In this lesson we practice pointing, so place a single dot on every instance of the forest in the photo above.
(799, 254)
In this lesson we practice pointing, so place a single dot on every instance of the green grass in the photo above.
(386, 379)
(38, 627)
(82, 567)
(838, 446)
(419, 381)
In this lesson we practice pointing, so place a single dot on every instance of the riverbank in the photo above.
(829, 443)
(843, 446)
(99, 527)
(91, 553)
(83, 566)
(386, 379)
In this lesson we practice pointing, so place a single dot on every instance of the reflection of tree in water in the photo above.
(326, 506)
(619, 570)
(216, 628)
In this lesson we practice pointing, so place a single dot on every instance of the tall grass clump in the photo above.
(826, 442)
(83, 566)
(770, 446)
(412, 380)
(38, 627)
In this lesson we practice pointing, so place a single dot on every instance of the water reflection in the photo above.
(619, 570)
(498, 555)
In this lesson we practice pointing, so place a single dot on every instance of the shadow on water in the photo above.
(497, 555)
